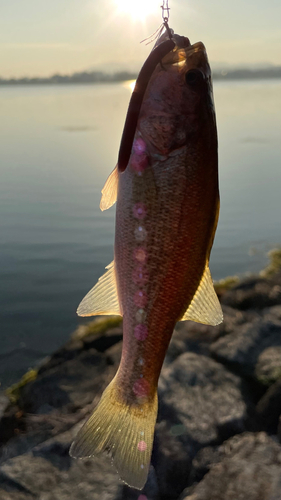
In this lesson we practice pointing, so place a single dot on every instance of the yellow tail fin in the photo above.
(126, 431)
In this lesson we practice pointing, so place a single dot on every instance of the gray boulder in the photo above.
(254, 348)
(201, 403)
(48, 473)
(254, 293)
(269, 408)
(250, 469)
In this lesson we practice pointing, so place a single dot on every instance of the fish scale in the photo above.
(166, 217)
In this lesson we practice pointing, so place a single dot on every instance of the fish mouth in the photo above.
(180, 41)
(180, 54)
(188, 57)
(184, 54)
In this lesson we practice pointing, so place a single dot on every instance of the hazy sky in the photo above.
(42, 37)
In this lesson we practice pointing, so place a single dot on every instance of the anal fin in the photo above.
(205, 307)
(102, 299)
(109, 190)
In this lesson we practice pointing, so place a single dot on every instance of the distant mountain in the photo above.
(247, 73)
(83, 77)
(223, 65)
(90, 77)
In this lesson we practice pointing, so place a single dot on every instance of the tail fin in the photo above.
(125, 430)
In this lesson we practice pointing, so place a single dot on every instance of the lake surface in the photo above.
(57, 146)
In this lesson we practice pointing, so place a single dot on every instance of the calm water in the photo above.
(57, 146)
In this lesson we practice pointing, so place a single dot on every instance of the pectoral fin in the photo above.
(205, 307)
(109, 190)
(103, 298)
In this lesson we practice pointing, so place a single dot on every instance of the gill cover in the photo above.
(136, 101)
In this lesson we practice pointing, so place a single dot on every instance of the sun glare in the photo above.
(136, 9)
(130, 84)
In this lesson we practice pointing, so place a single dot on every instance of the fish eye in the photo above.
(194, 76)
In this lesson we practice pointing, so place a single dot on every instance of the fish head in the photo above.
(178, 104)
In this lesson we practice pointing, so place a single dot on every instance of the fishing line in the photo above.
(165, 16)
(154, 35)
(159, 51)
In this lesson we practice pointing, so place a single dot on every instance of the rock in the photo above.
(52, 475)
(11, 424)
(195, 337)
(201, 403)
(245, 348)
(274, 267)
(4, 403)
(205, 395)
(70, 385)
(269, 408)
(47, 472)
(170, 458)
(14, 364)
(99, 334)
(250, 469)
(268, 366)
(55, 401)
(254, 293)
(13, 490)
(202, 462)
(272, 312)
(149, 492)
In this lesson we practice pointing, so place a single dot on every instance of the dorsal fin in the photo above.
(109, 190)
(205, 307)
(103, 298)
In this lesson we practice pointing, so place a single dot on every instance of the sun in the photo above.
(136, 9)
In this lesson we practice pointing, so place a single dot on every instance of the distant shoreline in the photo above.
(100, 77)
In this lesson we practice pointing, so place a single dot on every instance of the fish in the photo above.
(167, 211)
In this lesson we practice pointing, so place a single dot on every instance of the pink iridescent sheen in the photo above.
(139, 163)
(139, 211)
(140, 332)
(140, 276)
(140, 316)
(139, 146)
(140, 255)
(141, 388)
(140, 298)
(140, 233)
(142, 446)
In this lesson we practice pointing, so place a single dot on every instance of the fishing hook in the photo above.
(154, 58)
(165, 16)
(165, 10)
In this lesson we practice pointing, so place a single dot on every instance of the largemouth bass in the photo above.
(166, 217)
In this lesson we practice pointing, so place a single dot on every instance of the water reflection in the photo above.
(58, 144)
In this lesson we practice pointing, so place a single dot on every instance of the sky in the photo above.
(43, 37)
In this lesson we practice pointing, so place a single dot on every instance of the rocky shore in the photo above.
(218, 431)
